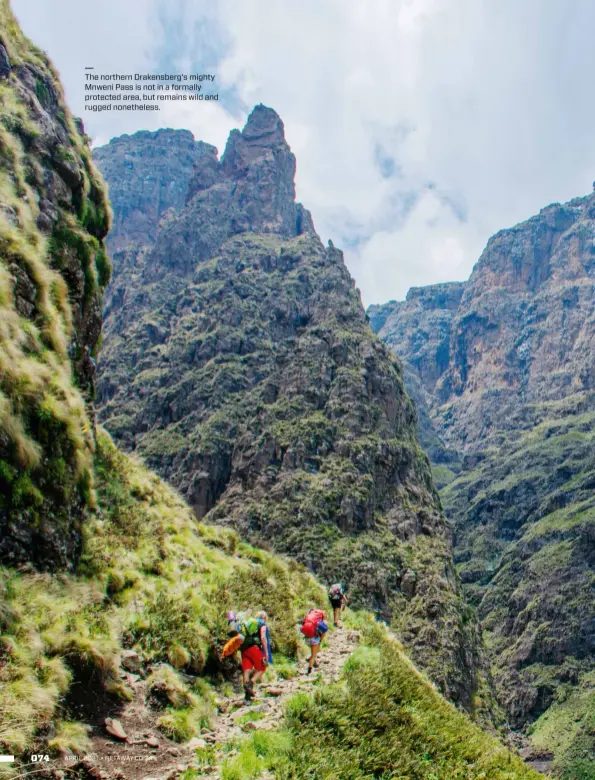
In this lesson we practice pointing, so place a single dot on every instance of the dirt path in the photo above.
(144, 753)
(268, 708)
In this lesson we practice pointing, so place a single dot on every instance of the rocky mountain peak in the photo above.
(238, 362)
(501, 368)
(256, 177)
(262, 135)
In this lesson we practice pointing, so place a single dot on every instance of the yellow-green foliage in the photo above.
(167, 685)
(384, 720)
(42, 412)
(70, 737)
(175, 579)
(151, 577)
(183, 724)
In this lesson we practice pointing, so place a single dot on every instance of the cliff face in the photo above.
(53, 267)
(419, 330)
(505, 363)
(520, 331)
(240, 366)
(158, 168)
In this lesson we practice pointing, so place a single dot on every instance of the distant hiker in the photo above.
(338, 601)
(313, 627)
(251, 636)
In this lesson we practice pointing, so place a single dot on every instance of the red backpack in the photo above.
(310, 625)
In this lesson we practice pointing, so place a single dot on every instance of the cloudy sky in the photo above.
(420, 127)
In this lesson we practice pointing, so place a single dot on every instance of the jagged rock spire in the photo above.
(257, 172)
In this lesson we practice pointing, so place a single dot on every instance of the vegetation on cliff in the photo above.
(502, 367)
(151, 578)
(525, 541)
(238, 362)
(53, 267)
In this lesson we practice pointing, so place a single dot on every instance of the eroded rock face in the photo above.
(53, 267)
(505, 368)
(238, 362)
(158, 167)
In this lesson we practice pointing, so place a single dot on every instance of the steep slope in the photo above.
(149, 174)
(152, 587)
(506, 365)
(240, 366)
(379, 719)
(53, 267)
(158, 167)
(141, 604)
(139, 624)
(420, 327)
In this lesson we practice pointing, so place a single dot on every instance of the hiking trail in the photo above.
(140, 751)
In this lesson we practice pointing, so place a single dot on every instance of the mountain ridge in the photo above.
(505, 386)
(238, 362)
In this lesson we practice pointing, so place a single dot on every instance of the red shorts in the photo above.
(253, 658)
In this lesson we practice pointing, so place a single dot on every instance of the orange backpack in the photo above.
(231, 646)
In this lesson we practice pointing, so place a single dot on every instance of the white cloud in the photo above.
(420, 126)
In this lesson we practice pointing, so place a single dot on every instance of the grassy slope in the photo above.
(383, 720)
(151, 578)
(50, 289)
(567, 729)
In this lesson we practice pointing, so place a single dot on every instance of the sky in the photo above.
(420, 127)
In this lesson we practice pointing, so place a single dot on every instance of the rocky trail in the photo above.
(267, 709)
(128, 745)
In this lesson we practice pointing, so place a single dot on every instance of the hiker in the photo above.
(313, 627)
(338, 601)
(251, 636)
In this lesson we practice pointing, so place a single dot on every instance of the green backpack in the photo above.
(249, 628)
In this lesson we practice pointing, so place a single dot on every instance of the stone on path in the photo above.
(196, 743)
(115, 728)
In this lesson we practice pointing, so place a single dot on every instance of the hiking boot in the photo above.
(308, 670)
(249, 692)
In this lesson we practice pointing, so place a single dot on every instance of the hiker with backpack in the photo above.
(338, 601)
(313, 627)
(251, 636)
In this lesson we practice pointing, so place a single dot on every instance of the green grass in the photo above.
(568, 729)
(383, 719)
(46, 448)
(183, 724)
(151, 578)
(250, 717)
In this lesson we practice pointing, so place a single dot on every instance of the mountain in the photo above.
(112, 595)
(238, 363)
(158, 168)
(503, 366)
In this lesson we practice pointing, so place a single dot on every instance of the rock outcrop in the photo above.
(505, 366)
(158, 166)
(239, 364)
(53, 268)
